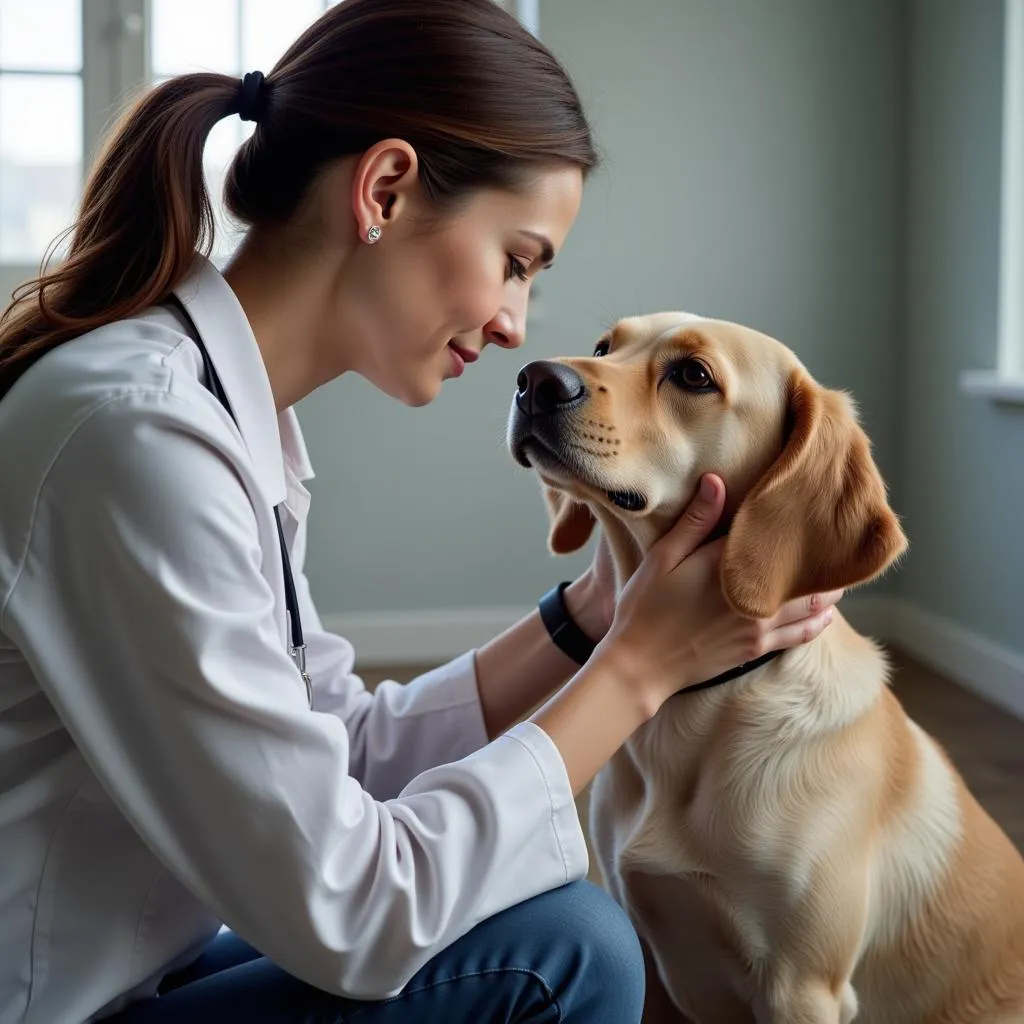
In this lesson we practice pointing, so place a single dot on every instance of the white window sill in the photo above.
(999, 387)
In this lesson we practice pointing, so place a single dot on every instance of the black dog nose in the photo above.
(545, 387)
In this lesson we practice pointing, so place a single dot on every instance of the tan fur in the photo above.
(790, 846)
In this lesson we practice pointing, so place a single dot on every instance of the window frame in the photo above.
(1005, 383)
(112, 67)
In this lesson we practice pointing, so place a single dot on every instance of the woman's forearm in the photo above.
(591, 717)
(588, 719)
(522, 667)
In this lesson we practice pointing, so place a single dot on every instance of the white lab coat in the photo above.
(160, 771)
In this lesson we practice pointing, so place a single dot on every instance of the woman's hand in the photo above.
(590, 598)
(673, 627)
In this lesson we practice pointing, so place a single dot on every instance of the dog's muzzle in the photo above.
(544, 387)
(545, 393)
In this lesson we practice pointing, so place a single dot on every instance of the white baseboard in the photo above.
(419, 637)
(993, 672)
(990, 670)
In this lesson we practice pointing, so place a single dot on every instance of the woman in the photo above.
(165, 766)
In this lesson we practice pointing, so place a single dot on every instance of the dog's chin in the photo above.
(559, 470)
(550, 463)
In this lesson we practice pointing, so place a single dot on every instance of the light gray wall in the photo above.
(962, 458)
(753, 168)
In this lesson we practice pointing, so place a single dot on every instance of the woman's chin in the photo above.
(414, 393)
(420, 392)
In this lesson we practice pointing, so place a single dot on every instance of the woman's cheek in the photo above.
(485, 303)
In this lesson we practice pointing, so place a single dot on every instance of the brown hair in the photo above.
(482, 102)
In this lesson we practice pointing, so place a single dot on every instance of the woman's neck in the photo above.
(288, 296)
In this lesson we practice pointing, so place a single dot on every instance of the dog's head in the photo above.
(625, 436)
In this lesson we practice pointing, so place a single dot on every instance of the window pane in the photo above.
(41, 35)
(221, 146)
(40, 161)
(194, 35)
(270, 27)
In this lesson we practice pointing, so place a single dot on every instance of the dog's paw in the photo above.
(847, 1004)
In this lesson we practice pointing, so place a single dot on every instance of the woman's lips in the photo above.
(460, 357)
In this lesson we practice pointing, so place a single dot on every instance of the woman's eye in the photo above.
(602, 348)
(516, 268)
(692, 375)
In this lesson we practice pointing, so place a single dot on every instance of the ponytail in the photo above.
(144, 215)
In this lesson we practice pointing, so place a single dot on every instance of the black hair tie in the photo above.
(250, 96)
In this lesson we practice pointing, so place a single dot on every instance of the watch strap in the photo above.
(561, 627)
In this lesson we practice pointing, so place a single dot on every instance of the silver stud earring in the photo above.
(373, 233)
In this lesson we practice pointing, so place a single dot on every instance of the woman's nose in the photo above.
(506, 329)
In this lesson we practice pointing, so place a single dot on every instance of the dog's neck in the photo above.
(630, 545)
(816, 665)
(628, 548)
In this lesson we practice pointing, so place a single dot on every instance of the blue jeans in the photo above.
(569, 956)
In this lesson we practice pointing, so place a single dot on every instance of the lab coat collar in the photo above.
(228, 338)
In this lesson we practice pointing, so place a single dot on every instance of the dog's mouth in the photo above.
(558, 466)
(631, 501)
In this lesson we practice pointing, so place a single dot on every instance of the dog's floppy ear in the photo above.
(818, 519)
(572, 522)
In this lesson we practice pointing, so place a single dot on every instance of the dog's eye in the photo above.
(692, 375)
(602, 348)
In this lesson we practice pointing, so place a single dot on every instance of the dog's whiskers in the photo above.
(590, 451)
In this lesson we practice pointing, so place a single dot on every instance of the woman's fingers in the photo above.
(803, 631)
(805, 608)
(694, 525)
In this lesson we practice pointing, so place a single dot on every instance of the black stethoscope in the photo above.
(298, 646)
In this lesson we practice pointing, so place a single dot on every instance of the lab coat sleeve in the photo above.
(143, 611)
(398, 731)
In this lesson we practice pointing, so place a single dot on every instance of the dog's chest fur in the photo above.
(721, 771)
(713, 822)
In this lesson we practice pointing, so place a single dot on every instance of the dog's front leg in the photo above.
(806, 979)
(805, 1000)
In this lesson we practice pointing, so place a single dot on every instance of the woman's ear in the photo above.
(818, 519)
(382, 181)
(571, 521)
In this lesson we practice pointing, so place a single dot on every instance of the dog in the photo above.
(791, 847)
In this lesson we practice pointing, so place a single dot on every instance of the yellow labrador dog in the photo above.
(791, 847)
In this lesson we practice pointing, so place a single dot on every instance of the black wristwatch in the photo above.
(568, 637)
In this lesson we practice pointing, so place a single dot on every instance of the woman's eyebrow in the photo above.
(547, 249)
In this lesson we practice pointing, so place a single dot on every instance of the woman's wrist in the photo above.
(590, 717)
(617, 659)
(587, 606)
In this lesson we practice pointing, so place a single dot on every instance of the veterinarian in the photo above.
(181, 742)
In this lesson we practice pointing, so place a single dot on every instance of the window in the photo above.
(1006, 382)
(63, 66)
(40, 124)
(527, 11)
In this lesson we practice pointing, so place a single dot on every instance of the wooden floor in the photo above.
(986, 744)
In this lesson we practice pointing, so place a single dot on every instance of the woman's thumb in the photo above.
(696, 523)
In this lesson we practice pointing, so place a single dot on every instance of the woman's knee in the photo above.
(596, 966)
